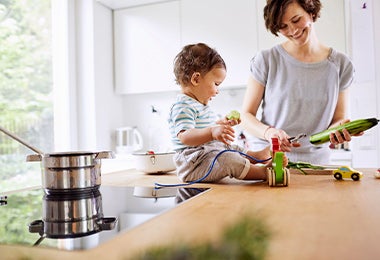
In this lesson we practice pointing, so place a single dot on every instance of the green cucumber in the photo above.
(353, 127)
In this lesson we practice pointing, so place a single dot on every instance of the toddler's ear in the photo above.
(195, 78)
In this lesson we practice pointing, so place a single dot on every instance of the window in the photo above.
(26, 106)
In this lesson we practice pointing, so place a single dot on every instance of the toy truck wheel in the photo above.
(355, 176)
(338, 176)
(286, 177)
(271, 176)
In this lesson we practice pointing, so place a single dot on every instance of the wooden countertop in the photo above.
(315, 217)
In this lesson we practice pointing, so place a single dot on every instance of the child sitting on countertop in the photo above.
(197, 136)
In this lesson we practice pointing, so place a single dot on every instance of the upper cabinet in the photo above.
(331, 26)
(229, 27)
(119, 4)
(147, 38)
(265, 38)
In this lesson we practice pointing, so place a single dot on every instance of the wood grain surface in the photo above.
(315, 217)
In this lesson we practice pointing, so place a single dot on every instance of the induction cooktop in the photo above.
(128, 207)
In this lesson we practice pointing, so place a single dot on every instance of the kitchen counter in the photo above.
(315, 217)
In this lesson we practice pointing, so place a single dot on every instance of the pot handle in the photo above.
(105, 155)
(153, 159)
(37, 226)
(34, 158)
(107, 223)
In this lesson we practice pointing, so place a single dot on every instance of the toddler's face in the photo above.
(209, 84)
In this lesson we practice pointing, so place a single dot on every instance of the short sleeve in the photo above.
(183, 117)
(258, 68)
(345, 68)
(346, 74)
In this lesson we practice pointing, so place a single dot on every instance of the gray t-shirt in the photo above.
(300, 97)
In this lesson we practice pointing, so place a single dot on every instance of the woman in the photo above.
(302, 84)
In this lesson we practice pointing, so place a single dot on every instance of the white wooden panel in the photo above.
(227, 26)
(146, 41)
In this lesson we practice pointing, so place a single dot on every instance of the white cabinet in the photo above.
(229, 27)
(331, 26)
(266, 39)
(365, 90)
(146, 39)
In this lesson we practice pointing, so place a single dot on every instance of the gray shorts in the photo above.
(194, 163)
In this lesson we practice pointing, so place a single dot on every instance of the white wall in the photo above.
(108, 106)
(86, 107)
(376, 22)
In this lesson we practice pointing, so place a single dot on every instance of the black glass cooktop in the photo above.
(32, 218)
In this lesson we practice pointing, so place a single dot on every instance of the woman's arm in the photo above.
(340, 114)
(251, 103)
(339, 118)
(252, 100)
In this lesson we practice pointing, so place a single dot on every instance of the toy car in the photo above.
(377, 174)
(347, 172)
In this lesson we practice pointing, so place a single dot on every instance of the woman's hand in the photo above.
(338, 137)
(283, 137)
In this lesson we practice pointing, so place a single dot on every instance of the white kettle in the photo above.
(128, 140)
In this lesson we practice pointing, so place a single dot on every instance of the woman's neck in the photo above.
(311, 51)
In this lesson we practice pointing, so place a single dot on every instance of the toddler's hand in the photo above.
(223, 133)
(231, 122)
(285, 160)
(233, 118)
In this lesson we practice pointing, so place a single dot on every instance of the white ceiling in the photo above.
(119, 4)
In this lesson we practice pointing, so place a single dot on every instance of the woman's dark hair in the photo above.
(275, 9)
(195, 58)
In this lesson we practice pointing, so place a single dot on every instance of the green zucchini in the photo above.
(353, 127)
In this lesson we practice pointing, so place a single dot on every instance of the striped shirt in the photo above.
(188, 113)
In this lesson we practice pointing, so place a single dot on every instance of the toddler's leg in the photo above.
(257, 172)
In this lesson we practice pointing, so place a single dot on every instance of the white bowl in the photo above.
(155, 163)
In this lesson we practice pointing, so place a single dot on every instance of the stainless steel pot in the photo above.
(72, 216)
(72, 171)
(67, 171)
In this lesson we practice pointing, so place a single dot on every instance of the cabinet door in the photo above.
(147, 38)
(227, 26)
(266, 39)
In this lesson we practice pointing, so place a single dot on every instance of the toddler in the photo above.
(197, 136)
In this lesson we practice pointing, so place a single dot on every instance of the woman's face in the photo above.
(208, 85)
(296, 24)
